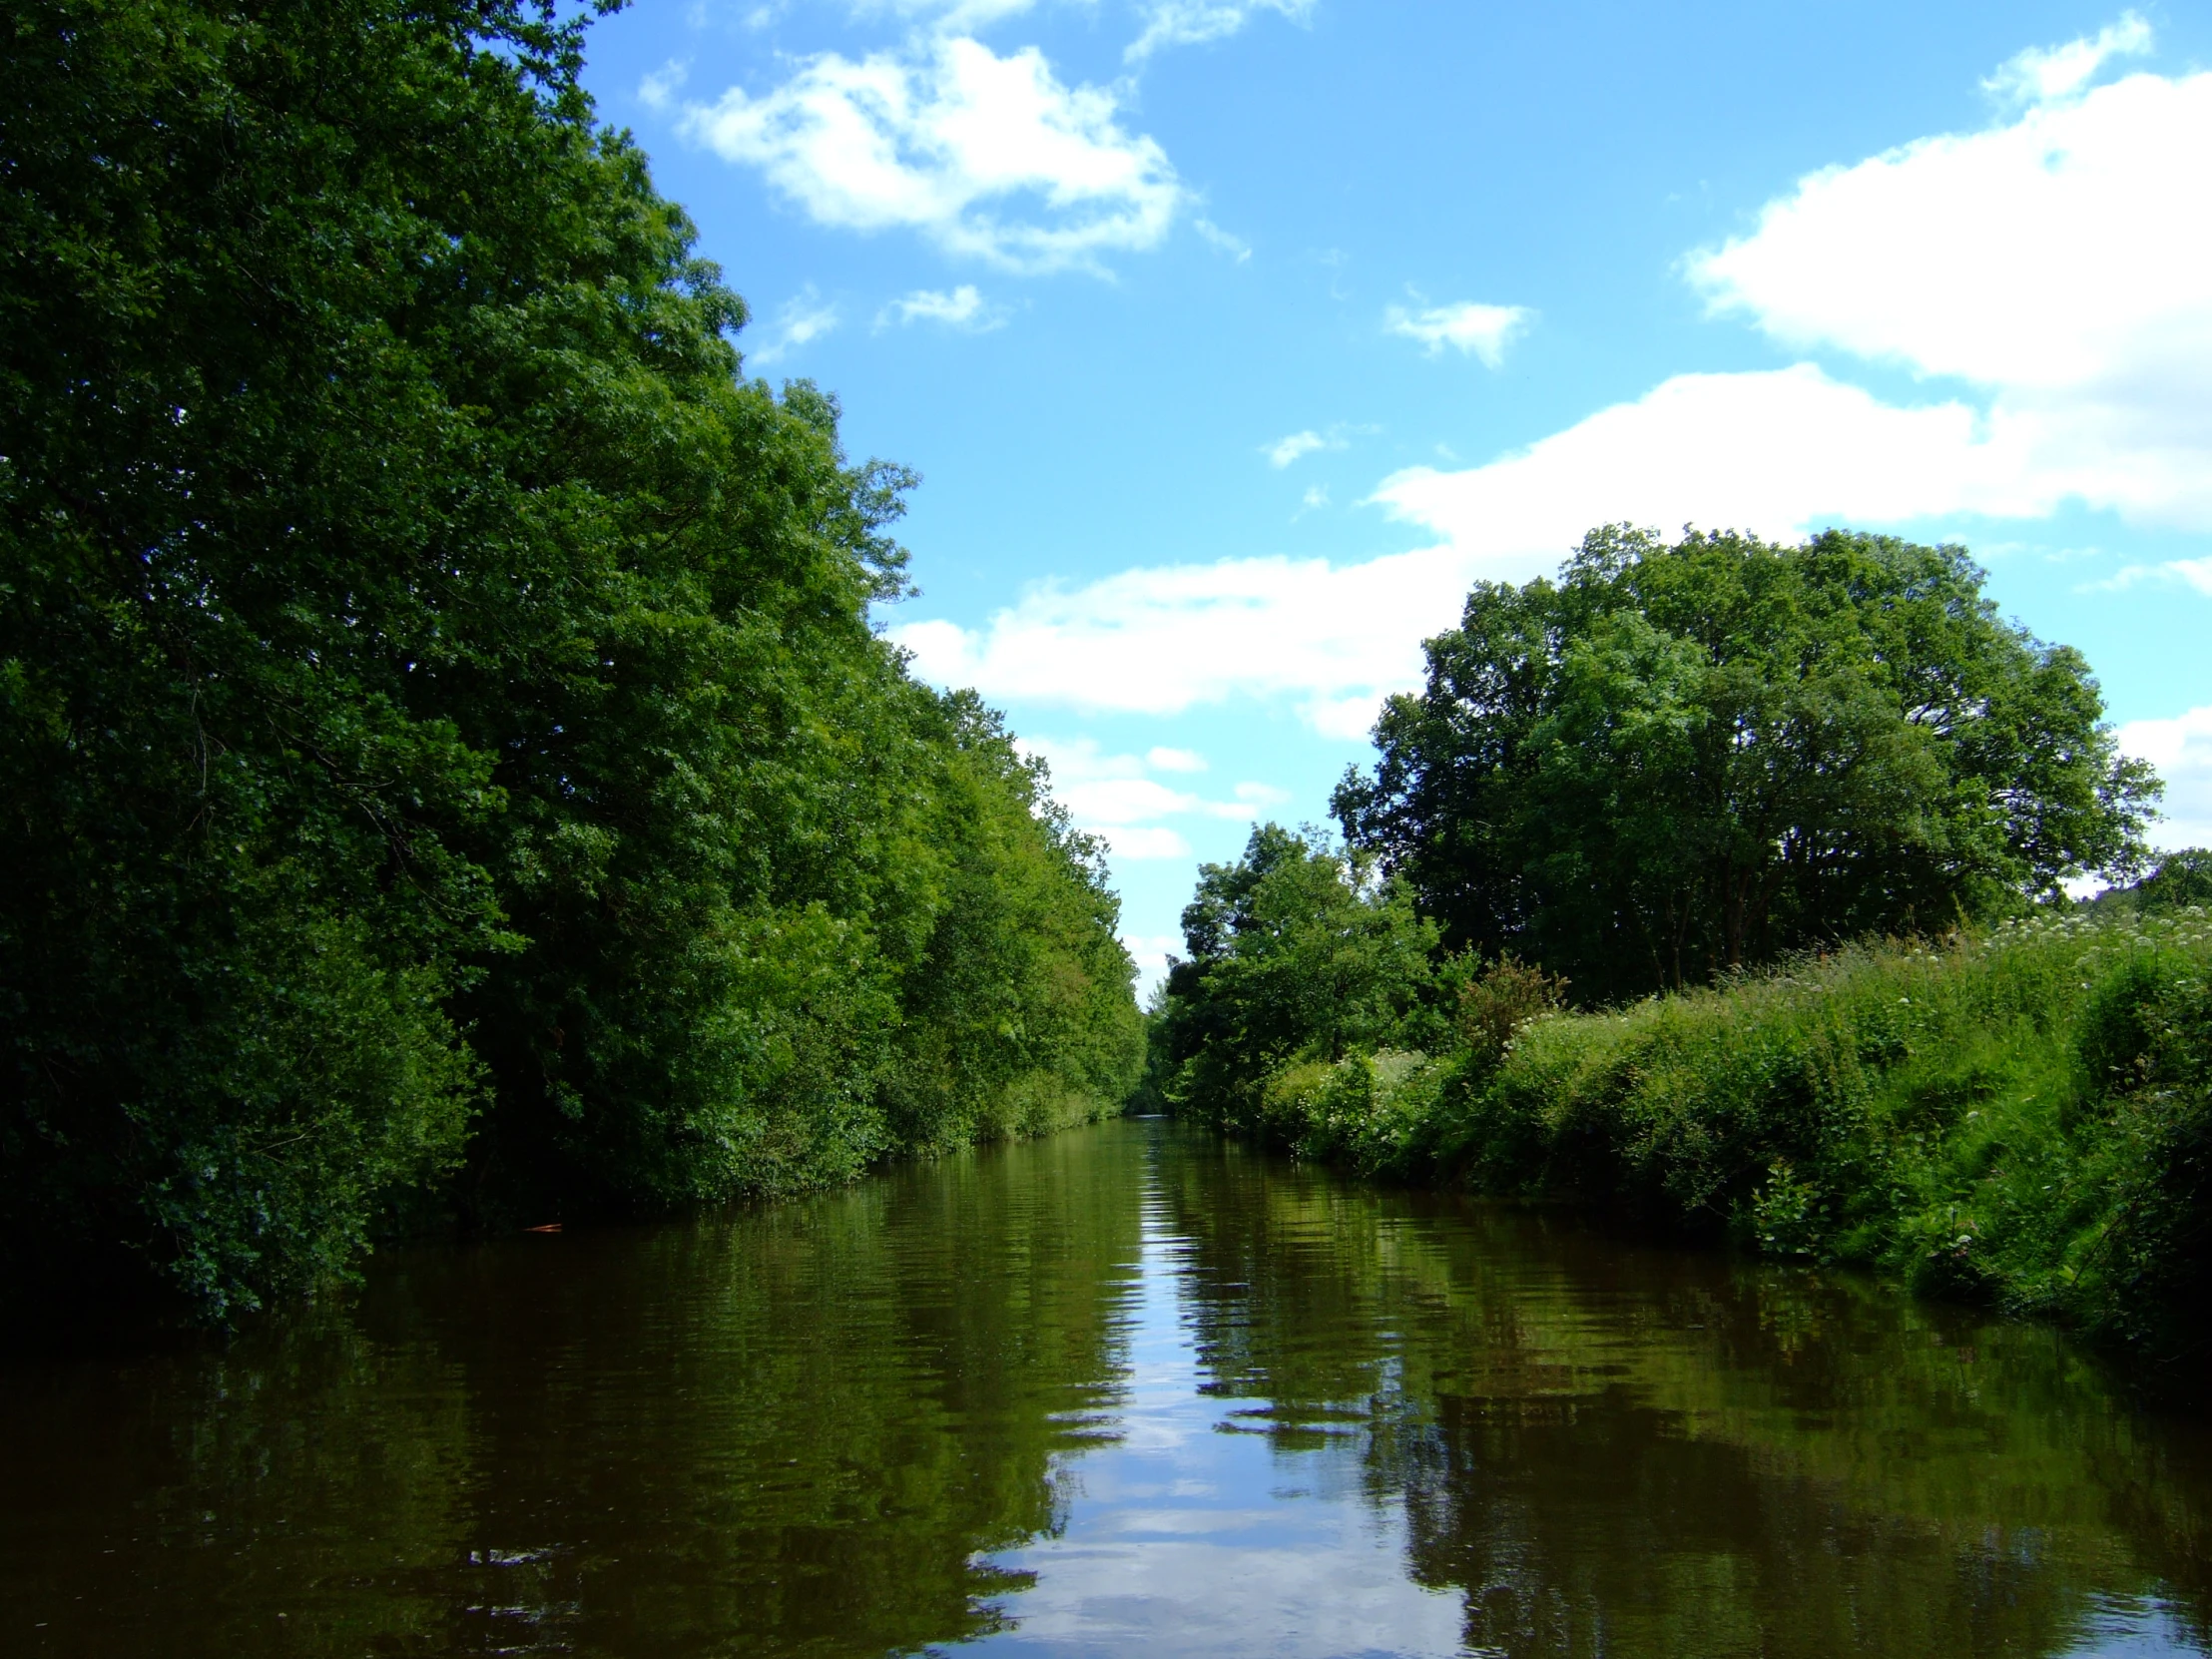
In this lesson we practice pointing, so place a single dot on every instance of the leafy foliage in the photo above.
(1682, 759)
(2181, 880)
(436, 688)
(1294, 954)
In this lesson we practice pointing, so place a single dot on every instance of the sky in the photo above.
(1234, 340)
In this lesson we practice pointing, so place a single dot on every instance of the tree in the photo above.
(439, 716)
(1683, 758)
(1294, 952)
(2181, 880)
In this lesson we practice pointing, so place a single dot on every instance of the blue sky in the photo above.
(1235, 337)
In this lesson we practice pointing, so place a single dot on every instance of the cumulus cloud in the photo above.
(803, 318)
(988, 157)
(2181, 749)
(1190, 22)
(1283, 451)
(1169, 638)
(1476, 330)
(2043, 74)
(2054, 270)
(963, 308)
(1777, 452)
(2059, 263)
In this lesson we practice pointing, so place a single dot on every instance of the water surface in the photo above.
(1128, 1391)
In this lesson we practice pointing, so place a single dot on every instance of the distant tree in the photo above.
(1294, 952)
(1682, 759)
(2181, 879)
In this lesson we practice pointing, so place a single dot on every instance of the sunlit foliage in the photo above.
(1679, 760)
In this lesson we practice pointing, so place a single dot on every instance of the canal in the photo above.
(1130, 1390)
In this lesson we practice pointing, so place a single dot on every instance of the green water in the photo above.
(1128, 1391)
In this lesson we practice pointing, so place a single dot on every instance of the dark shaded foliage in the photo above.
(436, 689)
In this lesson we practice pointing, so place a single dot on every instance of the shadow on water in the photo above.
(943, 1407)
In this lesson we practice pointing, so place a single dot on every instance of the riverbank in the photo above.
(2022, 1117)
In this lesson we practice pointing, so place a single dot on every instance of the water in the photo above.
(1129, 1390)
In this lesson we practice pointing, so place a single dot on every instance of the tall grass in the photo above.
(2022, 1116)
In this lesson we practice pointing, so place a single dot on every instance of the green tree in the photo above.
(1296, 952)
(2181, 880)
(1683, 758)
(436, 688)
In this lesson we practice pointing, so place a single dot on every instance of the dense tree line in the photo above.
(448, 766)
(1720, 881)
(1682, 759)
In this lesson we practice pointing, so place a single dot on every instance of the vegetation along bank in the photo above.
(1720, 883)
(448, 771)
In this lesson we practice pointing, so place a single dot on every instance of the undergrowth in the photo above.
(2022, 1116)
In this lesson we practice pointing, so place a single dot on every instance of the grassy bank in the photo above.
(2024, 1116)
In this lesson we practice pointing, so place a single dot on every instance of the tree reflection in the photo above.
(1610, 1449)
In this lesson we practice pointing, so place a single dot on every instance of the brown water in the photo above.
(1129, 1390)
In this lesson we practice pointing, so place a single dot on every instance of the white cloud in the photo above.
(1138, 841)
(1234, 246)
(1283, 451)
(2059, 268)
(963, 308)
(1164, 639)
(2061, 265)
(2193, 573)
(948, 16)
(1314, 498)
(1478, 329)
(803, 318)
(988, 157)
(1777, 452)
(1111, 797)
(2181, 749)
(1190, 22)
(2043, 74)
(657, 89)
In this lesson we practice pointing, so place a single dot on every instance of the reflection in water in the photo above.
(1124, 1391)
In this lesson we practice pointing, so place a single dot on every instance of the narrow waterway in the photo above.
(1128, 1391)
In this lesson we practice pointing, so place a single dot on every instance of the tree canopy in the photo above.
(447, 760)
(1296, 952)
(1682, 759)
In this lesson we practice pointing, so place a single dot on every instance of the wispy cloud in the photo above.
(963, 308)
(1175, 760)
(2045, 74)
(1114, 797)
(1190, 22)
(657, 89)
(989, 157)
(1476, 329)
(1235, 247)
(1283, 451)
(2192, 573)
(803, 318)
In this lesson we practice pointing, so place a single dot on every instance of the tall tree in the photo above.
(1681, 758)
(437, 696)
